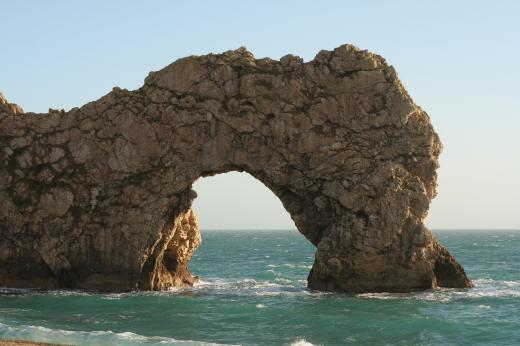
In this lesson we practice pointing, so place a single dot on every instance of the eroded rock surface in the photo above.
(99, 197)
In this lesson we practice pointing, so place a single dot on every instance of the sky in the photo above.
(457, 59)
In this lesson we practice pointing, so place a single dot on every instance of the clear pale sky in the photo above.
(459, 60)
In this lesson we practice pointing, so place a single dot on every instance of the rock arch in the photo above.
(99, 197)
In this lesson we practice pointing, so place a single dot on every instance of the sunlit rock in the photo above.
(99, 197)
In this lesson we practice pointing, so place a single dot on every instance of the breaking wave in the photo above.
(484, 288)
(289, 265)
(98, 337)
(278, 286)
(281, 286)
(301, 342)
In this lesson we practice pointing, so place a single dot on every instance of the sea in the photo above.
(253, 291)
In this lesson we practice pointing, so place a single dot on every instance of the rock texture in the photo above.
(99, 197)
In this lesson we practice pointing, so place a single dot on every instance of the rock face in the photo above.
(99, 197)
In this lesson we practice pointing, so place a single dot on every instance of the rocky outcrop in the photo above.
(99, 197)
(168, 265)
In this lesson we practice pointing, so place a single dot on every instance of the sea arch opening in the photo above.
(236, 200)
(249, 240)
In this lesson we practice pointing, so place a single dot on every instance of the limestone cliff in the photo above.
(99, 197)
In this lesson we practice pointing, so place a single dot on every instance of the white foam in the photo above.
(270, 293)
(24, 291)
(290, 265)
(113, 296)
(512, 283)
(484, 288)
(201, 283)
(301, 342)
(8, 290)
(98, 337)
(278, 286)
(303, 266)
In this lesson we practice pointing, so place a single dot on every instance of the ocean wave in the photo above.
(113, 296)
(303, 266)
(14, 291)
(248, 283)
(301, 342)
(278, 286)
(239, 287)
(290, 265)
(98, 337)
(283, 286)
(484, 288)
(209, 286)
(7, 291)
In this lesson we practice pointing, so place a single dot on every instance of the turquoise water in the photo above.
(253, 293)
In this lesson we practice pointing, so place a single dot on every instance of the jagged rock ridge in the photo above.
(99, 197)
